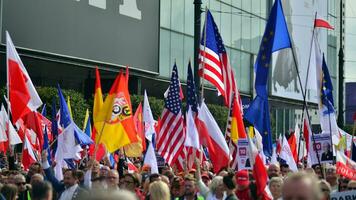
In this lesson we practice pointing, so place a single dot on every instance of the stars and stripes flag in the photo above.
(232, 145)
(170, 140)
(214, 62)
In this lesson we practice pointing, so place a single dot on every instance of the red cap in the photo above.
(205, 175)
(242, 178)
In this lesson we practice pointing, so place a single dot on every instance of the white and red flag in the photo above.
(23, 95)
(28, 155)
(259, 172)
(212, 138)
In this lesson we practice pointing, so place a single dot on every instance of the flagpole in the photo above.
(304, 99)
(204, 59)
(98, 141)
(227, 123)
(306, 82)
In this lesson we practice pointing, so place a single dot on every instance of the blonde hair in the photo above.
(312, 181)
(159, 190)
(276, 180)
(217, 180)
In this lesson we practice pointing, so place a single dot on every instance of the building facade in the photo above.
(151, 36)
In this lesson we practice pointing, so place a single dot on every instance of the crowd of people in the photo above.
(93, 180)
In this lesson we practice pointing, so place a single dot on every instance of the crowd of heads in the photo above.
(100, 181)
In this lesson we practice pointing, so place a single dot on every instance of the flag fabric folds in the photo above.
(215, 141)
(149, 122)
(87, 124)
(135, 149)
(28, 155)
(114, 122)
(170, 139)
(23, 95)
(287, 155)
(275, 37)
(150, 158)
(192, 135)
(322, 23)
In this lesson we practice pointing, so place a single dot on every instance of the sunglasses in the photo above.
(21, 183)
(351, 188)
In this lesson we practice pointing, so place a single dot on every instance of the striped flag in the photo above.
(170, 140)
(232, 145)
(214, 62)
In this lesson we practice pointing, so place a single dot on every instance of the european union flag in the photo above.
(327, 98)
(275, 37)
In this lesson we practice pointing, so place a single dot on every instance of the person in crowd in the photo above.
(112, 180)
(243, 191)
(36, 178)
(275, 186)
(35, 168)
(159, 190)
(110, 195)
(318, 170)
(332, 178)
(229, 186)
(190, 189)
(132, 183)
(273, 171)
(285, 169)
(9, 192)
(343, 182)
(41, 190)
(210, 191)
(301, 185)
(22, 188)
(351, 185)
(325, 189)
(177, 187)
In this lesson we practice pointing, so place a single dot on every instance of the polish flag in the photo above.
(259, 172)
(28, 155)
(287, 155)
(292, 142)
(212, 138)
(322, 23)
(23, 95)
(307, 132)
(130, 166)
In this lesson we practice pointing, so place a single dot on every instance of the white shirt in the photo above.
(67, 194)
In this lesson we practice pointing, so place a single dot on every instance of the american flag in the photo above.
(170, 140)
(217, 69)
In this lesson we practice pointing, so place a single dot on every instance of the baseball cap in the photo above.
(242, 178)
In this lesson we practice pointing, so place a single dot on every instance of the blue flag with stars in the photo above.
(327, 90)
(191, 94)
(275, 37)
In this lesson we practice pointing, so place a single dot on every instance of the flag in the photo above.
(7, 131)
(28, 155)
(170, 139)
(287, 155)
(130, 166)
(46, 147)
(135, 149)
(98, 103)
(345, 166)
(192, 135)
(275, 38)
(148, 120)
(69, 107)
(293, 144)
(23, 95)
(114, 122)
(72, 136)
(235, 128)
(32, 121)
(216, 144)
(150, 158)
(87, 124)
(214, 62)
(322, 23)
(259, 172)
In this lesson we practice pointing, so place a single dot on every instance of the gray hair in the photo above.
(217, 180)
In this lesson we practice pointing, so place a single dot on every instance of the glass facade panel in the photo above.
(189, 17)
(226, 24)
(177, 49)
(246, 33)
(236, 29)
(177, 20)
(245, 72)
(164, 53)
(165, 15)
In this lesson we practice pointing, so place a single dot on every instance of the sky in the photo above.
(350, 41)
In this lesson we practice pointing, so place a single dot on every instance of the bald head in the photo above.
(36, 178)
(273, 171)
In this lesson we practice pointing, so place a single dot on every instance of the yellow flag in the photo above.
(69, 107)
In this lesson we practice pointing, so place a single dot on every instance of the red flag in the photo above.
(292, 141)
(33, 121)
(306, 132)
(28, 155)
(214, 139)
(321, 23)
(23, 96)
